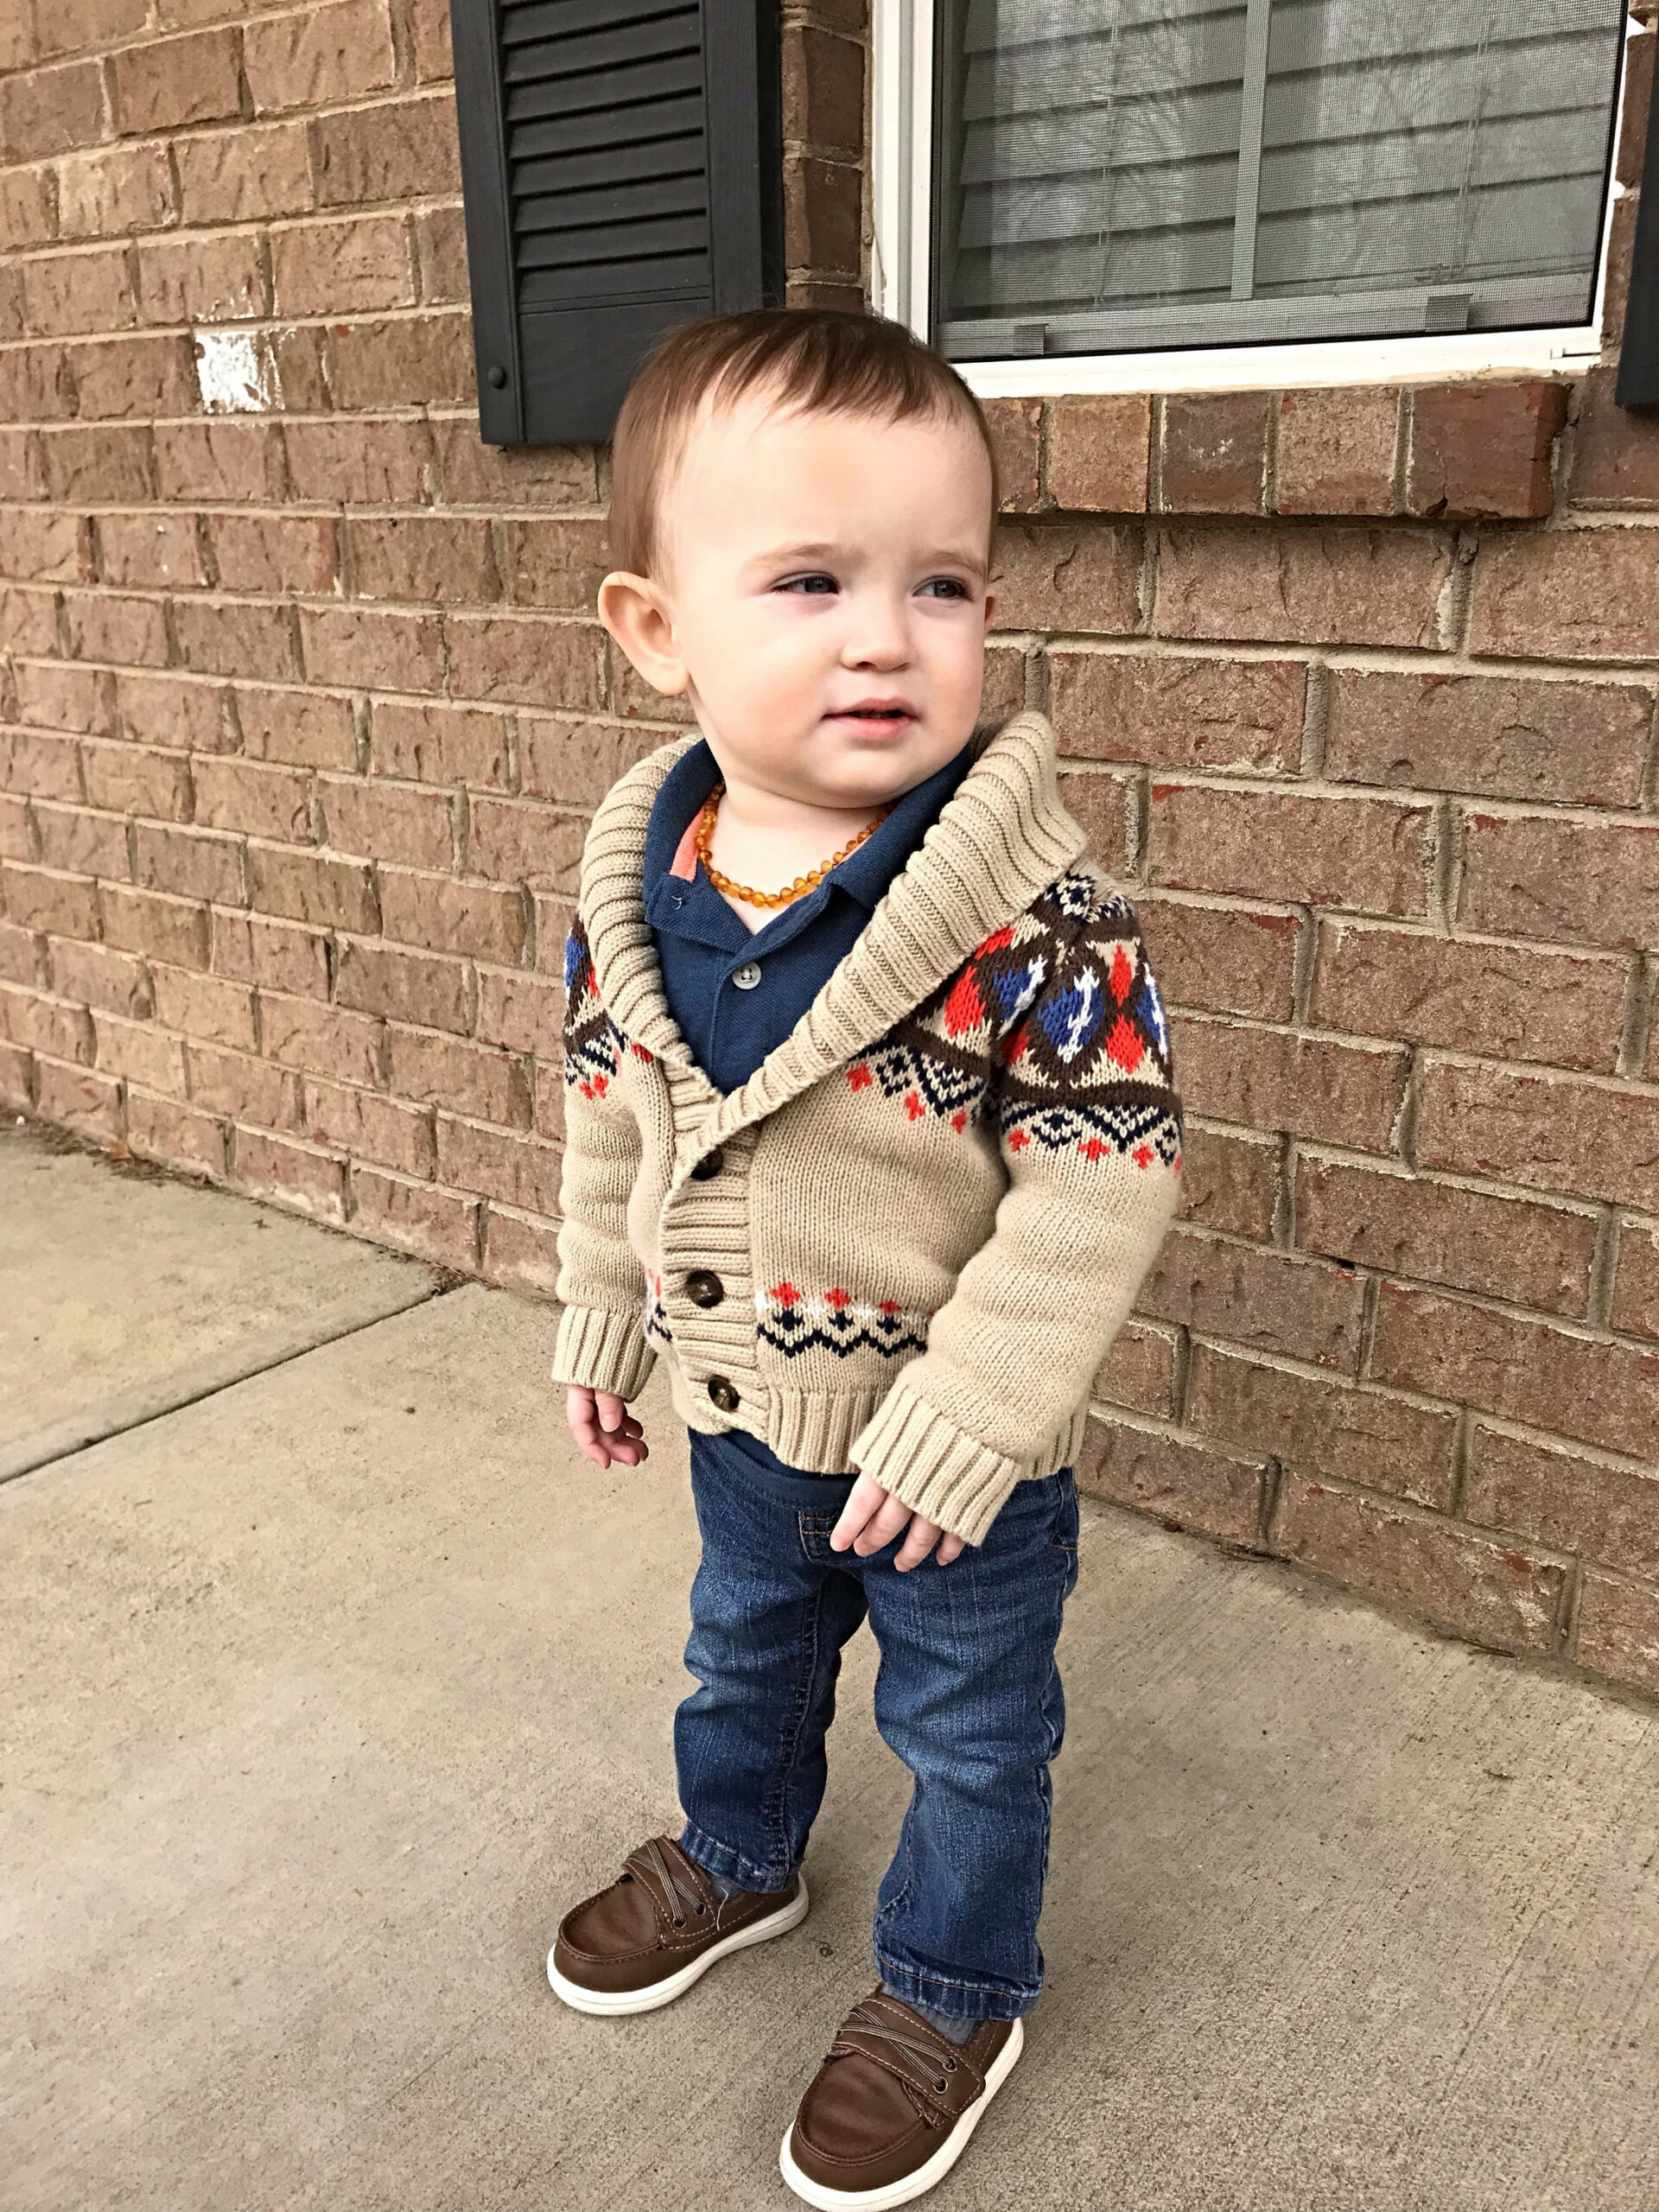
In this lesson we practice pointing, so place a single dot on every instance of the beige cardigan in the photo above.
(907, 1242)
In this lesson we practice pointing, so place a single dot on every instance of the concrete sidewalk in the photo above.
(327, 1687)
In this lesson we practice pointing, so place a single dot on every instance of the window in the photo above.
(1078, 193)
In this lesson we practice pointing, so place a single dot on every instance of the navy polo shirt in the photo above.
(736, 994)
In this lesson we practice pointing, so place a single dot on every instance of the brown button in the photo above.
(709, 1167)
(704, 1288)
(723, 1393)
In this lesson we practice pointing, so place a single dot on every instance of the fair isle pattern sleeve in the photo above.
(602, 1287)
(1057, 1027)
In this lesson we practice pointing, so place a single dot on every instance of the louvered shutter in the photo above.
(622, 167)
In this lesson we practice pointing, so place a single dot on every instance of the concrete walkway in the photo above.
(325, 1689)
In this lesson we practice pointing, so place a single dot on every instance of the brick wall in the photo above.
(302, 710)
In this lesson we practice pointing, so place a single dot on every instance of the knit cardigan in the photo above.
(906, 1242)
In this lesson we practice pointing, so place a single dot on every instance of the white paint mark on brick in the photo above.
(235, 372)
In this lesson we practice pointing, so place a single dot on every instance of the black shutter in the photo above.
(1638, 353)
(623, 171)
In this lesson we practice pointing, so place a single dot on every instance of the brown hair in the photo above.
(825, 360)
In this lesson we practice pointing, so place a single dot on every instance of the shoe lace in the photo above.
(866, 2021)
(678, 1894)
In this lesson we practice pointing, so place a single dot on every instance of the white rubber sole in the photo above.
(925, 2177)
(609, 2003)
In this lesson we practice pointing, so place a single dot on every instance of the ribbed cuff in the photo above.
(600, 1350)
(929, 1465)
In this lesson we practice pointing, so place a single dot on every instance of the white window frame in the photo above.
(902, 166)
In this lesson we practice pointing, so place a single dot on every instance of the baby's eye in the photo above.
(817, 585)
(945, 588)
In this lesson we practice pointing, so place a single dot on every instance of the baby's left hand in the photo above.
(873, 1516)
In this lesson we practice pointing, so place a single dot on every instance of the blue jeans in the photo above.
(968, 1695)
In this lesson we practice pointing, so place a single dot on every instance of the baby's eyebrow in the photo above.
(940, 557)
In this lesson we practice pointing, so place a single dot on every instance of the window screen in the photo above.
(1116, 174)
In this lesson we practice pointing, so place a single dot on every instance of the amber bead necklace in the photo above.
(810, 881)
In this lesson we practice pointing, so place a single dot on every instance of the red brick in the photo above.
(42, 546)
(1278, 1302)
(206, 461)
(1016, 429)
(275, 553)
(252, 948)
(1322, 1426)
(1558, 1498)
(367, 1126)
(234, 176)
(1002, 692)
(468, 919)
(157, 549)
(16, 1066)
(1101, 805)
(1097, 452)
(1178, 710)
(1636, 104)
(291, 1175)
(313, 887)
(1220, 958)
(116, 627)
(179, 713)
(36, 385)
(1538, 875)
(140, 1052)
(42, 898)
(1615, 449)
(1335, 585)
(1054, 576)
(1215, 453)
(1271, 1079)
(105, 461)
(489, 1085)
(41, 763)
(548, 1087)
(16, 842)
(633, 699)
(401, 149)
(539, 663)
(1139, 1372)
(329, 1041)
(28, 202)
(235, 637)
(21, 956)
(422, 359)
(1584, 1137)
(96, 975)
(411, 826)
(1482, 450)
(268, 802)
(417, 987)
(1513, 1002)
(472, 473)
(1185, 1484)
(429, 22)
(46, 1025)
(447, 745)
(89, 288)
(204, 1006)
(244, 1089)
(382, 652)
(1508, 736)
(28, 620)
(554, 564)
(53, 697)
(1635, 1287)
(516, 1169)
(125, 375)
(823, 90)
(166, 82)
(441, 251)
(520, 1012)
(823, 215)
(353, 267)
(78, 1096)
(1575, 594)
(436, 1225)
(520, 1253)
(80, 842)
(51, 110)
(1370, 853)
(194, 863)
(160, 1128)
(309, 729)
(1492, 1592)
(1405, 1224)
(322, 55)
(362, 463)
(143, 921)
(1618, 1630)
(515, 841)
(1534, 1372)
(437, 557)
(1336, 451)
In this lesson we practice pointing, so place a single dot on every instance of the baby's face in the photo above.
(824, 579)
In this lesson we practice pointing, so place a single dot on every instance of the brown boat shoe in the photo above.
(658, 1928)
(892, 2107)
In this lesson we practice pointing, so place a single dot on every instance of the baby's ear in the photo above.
(635, 613)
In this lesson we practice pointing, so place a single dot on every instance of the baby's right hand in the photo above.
(604, 1428)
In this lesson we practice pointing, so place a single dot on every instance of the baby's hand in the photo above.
(604, 1428)
(873, 1516)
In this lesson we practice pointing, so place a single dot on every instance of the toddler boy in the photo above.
(871, 1136)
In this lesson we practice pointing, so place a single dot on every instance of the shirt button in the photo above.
(723, 1393)
(704, 1288)
(709, 1167)
(748, 975)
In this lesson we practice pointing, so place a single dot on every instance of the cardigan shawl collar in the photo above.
(999, 840)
